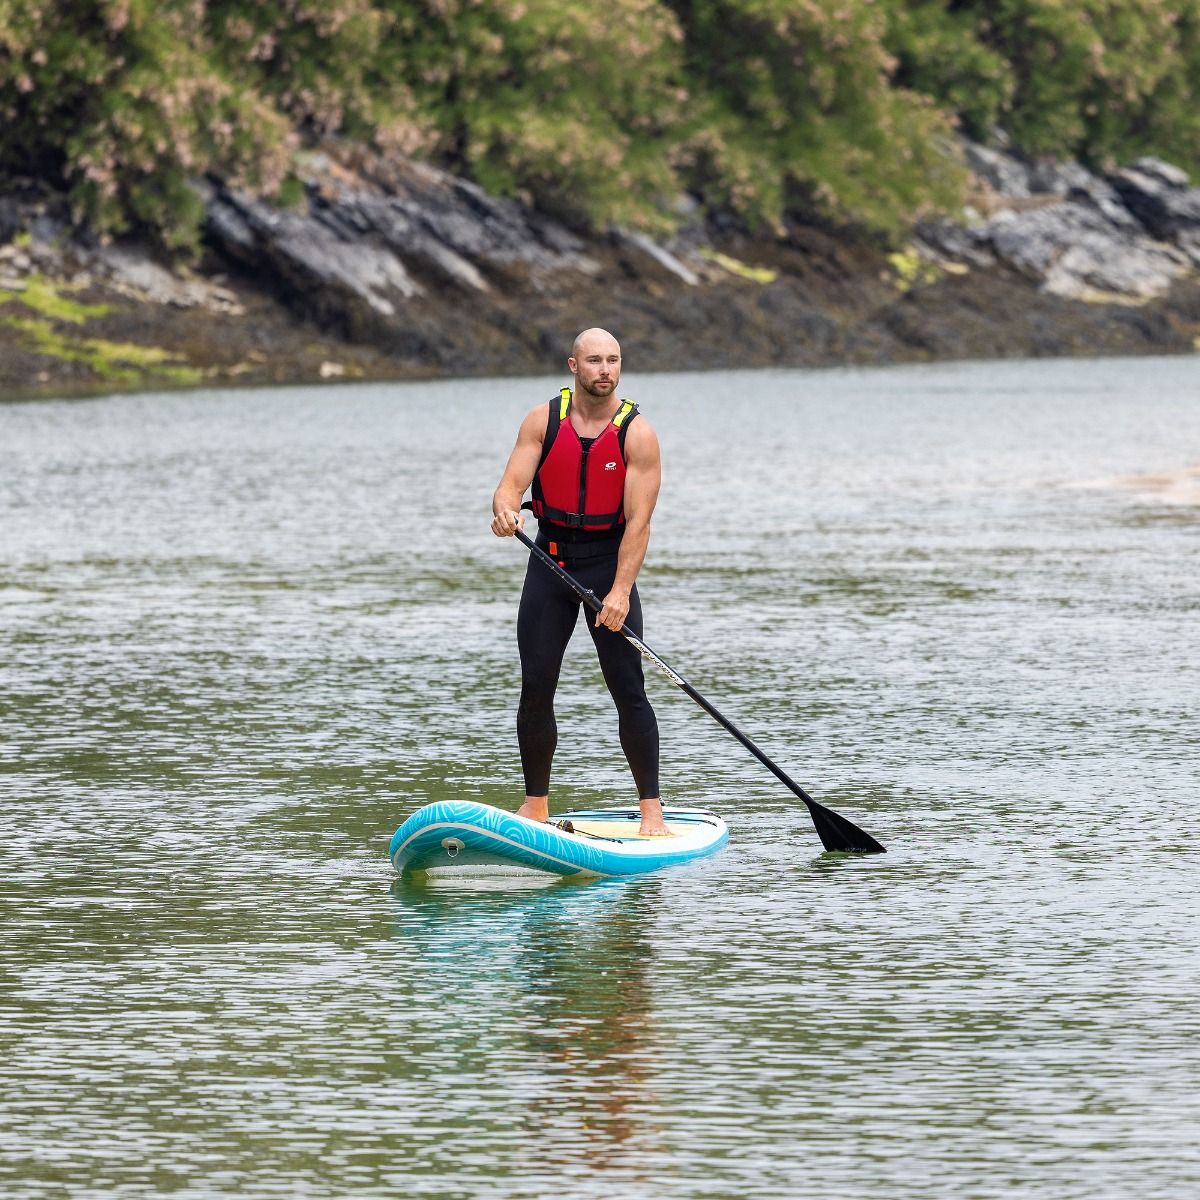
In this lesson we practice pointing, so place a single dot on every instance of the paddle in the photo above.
(835, 832)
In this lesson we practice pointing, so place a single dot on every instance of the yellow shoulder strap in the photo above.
(622, 413)
(564, 402)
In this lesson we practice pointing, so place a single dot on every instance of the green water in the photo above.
(244, 634)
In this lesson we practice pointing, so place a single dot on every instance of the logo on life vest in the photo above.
(612, 466)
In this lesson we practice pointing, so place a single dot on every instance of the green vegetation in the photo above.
(47, 299)
(595, 113)
(912, 269)
(123, 363)
(737, 267)
(1099, 80)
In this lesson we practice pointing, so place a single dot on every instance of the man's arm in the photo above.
(507, 517)
(643, 475)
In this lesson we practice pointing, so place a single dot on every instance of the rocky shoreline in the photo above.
(393, 270)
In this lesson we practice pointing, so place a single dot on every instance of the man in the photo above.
(593, 464)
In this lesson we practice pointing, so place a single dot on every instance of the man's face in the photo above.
(597, 367)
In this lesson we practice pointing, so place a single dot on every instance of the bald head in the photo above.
(594, 338)
(596, 364)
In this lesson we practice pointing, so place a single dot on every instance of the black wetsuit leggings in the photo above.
(545, 621)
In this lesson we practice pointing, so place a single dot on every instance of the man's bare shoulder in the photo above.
(640, 438)
(535, 422)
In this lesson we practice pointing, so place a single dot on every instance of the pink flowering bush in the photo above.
(598, 114)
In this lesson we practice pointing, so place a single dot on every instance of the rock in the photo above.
(1072, 250)
(440, 258)
(1158, 195)
(1105, 199)
(227, 230)
(345, 280)
(1050, 177)
(1073, 181)
(944, 241)
(486, 230)
(1004, 173)
(376, 236)
(651, 249)
(1164, 174)
(132, 272)
(1125, 238)
(401, 230)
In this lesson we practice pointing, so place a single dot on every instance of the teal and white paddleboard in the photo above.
(463, 837)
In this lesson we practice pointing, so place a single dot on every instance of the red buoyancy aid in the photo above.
(582, 487)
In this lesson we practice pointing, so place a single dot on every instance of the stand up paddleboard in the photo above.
(461, 837)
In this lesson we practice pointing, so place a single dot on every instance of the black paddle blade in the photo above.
(836, 833)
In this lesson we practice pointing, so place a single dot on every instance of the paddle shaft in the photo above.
(831, 827)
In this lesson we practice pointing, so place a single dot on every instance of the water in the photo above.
(243, 634)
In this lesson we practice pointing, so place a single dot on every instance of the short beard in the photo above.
(612, 386)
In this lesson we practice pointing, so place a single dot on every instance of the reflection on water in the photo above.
(566, 971)
(240, 642)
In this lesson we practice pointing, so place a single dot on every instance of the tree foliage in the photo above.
(1099, 80)
(797, 105)
(597, 114)
(115, 99)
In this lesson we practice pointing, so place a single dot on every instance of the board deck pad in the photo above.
(619, 830)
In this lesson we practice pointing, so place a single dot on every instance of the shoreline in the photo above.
(396, 272)
(216, 383)
(980, 318)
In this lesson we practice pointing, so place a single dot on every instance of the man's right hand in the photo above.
(507, 521)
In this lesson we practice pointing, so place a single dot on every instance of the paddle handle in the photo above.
(835, 831)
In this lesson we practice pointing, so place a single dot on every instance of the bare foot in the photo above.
(653, 824)
(535, 808)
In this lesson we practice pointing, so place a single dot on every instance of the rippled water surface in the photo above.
(243, 635)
